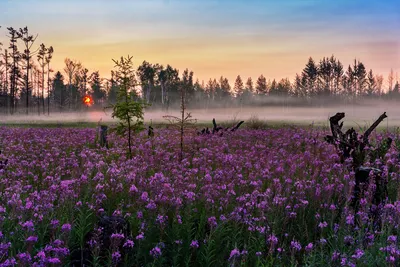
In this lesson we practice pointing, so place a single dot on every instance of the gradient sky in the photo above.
(213, 38)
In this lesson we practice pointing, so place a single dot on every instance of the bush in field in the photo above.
(255, 123)
(183, 122)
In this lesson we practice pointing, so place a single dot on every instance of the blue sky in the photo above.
(214, 37)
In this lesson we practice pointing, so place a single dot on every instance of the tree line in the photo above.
(28, 84)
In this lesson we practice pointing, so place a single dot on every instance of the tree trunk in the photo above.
(27, 83)
(6, 80)
(162, 93)
(43, 89)
(48, 89)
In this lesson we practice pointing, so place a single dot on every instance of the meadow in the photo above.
(266, 197)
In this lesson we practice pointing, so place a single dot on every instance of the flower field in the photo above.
(276, 197)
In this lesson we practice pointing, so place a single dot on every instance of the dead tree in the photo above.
(219, 129)
(215, 127)
(351, 145)
(237, 126)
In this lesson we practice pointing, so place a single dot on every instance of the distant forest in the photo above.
(29, 85)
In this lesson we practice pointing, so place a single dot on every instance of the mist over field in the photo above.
(356, 115)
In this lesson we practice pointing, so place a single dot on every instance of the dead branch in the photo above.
(217, 128)
(373, 126)
(237, 126)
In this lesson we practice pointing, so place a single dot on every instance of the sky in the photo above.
(211, 37)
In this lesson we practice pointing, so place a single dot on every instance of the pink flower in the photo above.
(66, 227)
(234, 253)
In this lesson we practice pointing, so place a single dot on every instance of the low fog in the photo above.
(356, 115)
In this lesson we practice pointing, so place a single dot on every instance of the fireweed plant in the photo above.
(276, 197)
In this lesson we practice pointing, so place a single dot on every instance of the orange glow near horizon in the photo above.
(211, 38)
(87, 100)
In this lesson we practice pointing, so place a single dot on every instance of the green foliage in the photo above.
(255, 123)
(127, 109)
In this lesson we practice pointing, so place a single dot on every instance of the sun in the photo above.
(87, 100)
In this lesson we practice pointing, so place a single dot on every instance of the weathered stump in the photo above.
(103, 136)
(351, 145)
(150, 132)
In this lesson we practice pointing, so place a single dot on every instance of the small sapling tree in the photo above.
(128, 110)
(183, 122)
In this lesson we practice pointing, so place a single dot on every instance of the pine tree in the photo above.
(187, 85)
(48, 58)
(283, 88)
(129, 111)
(28, 41)
(360, 74)
(59, 90)
(349, 82)
(325, 73)
(96, 87)
(249, 85)
(310, 73)
(261, 85)
(371, 84)
(337, 76)
(42, 63)
(238, 87)
(225, 89)
(15, 74)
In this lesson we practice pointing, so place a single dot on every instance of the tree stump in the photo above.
(351, 145)
(103, 136)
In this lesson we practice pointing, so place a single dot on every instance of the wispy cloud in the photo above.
(214, 37)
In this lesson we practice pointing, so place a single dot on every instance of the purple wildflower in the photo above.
(295, 245)
(128, 244)
(234, 253)
(32, 239)
(194, 244)
(155, 252)
(66, 227)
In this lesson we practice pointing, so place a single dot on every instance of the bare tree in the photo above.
(71, 68)
(379, 84)
(48, 58)
(5, 63)
(390, 80)
(28, 41)
(42, 64)
(15, 56)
